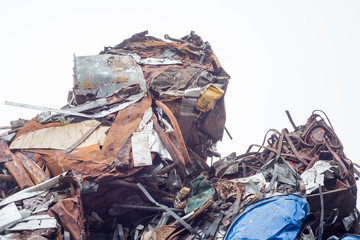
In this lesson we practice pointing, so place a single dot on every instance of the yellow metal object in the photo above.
(62, 121)
(208, 98)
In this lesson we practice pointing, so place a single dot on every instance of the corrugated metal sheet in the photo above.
(61, 137)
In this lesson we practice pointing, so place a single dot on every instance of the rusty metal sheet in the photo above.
(180, 110)
(86, 161)
(114, 87)
(15, 167)
(36, 174)
(8, 178)
(199, 68)
(175, 78)
(31, 191)
(69, 211)
(117, 144)
(89, 162)
(33, 125)
(4, 153)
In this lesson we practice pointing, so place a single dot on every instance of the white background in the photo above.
(281, 55)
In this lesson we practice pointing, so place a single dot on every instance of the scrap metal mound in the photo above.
(126, 158)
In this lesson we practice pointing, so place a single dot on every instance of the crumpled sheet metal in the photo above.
(146, 141)
(274, 178)
(36, 174)
(117, 145)
(33, 218)
(207, 100)
(89, 162)
(188, 51)
(31, 191)
(316, 175)
(92, 162)
(100, 76)
(116, 91)
(69, 211)
(178, 108)
(95, 163)
(199, 68)
(14, 166)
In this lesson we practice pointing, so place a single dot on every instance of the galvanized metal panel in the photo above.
(102, 75)
(34, 224)
(8, 216)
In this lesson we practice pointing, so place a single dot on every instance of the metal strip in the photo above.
(23, 105)
(132, 99)
(172, 213)
(321, 223)
(256, 189)
(121, 232)
(210, 233)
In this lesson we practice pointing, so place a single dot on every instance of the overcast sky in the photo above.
(281, 55)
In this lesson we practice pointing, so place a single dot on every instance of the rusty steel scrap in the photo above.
(127, 156)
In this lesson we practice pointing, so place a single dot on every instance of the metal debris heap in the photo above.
(126, 158)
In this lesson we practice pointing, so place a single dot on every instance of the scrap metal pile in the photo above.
(126, 158)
